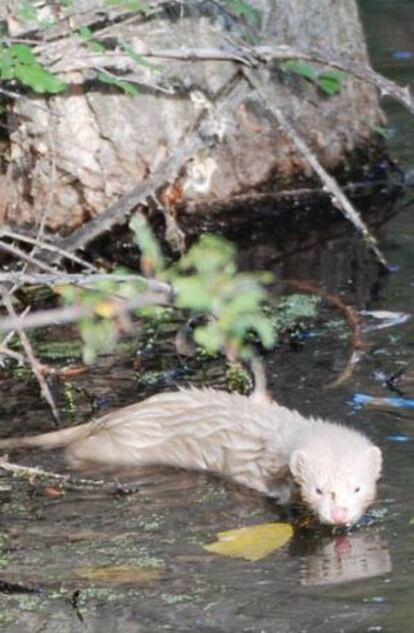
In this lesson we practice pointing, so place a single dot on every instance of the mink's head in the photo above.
(336, 471)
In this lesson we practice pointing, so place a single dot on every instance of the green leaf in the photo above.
(210, 337)
(23, 54)
(330, 82)
(191, 292)
(243, 302)
(147, 243)
(209, 255)
(300, 68)
(39, 79)
(127, 87)
(384, 132)
(131, 5)
(86, 35)
(6, 65)
(243, 9)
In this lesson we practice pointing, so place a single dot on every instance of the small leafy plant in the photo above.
(329, 81)
(18, 62)
(205, 281)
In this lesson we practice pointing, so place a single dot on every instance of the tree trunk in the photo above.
(74, 154)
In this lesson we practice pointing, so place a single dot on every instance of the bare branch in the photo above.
(5, 351)
(34, 363)
(17, 252)
(47, 247)
(78, 279)
(239, 54)
(58, 316)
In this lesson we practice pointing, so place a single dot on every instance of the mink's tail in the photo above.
(54, 439)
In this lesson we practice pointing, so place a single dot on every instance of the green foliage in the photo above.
(147, 243)
(301, 68)
(246, 11)
(126, 86)
(19, 62)
(238, 379)
(87, 37)
(329, 81)
(206, 280)
(131, 5)
(99, 335)
(382, 131)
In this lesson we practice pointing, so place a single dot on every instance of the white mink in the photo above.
(250, 442)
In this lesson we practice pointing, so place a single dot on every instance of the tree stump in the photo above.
(73, 154)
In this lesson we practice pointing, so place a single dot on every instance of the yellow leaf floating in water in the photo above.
(252, 542)
(119, 574)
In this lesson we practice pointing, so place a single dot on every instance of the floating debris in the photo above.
(361, 399)
(253, 542)
(386, 319)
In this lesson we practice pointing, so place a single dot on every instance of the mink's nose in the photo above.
(340, 515)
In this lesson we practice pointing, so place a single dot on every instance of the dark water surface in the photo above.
(362, 581)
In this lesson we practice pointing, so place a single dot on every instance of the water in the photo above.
(321, 582)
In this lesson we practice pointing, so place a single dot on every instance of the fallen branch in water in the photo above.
(31, 473)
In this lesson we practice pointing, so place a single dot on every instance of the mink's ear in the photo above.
(375, 460)
(298, 464)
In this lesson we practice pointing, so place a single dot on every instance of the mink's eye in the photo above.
(357, 489)
(318, 491)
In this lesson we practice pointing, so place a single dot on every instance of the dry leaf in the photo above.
(253, 542)
(52, 492)
(119, 574)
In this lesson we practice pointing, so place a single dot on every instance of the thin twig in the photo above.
(339, 199)
(27, 472)
(34, 363)
(6, 351)
(17, 252)
(58, 316)
(79, 279)
(47, 247)
(239, 54)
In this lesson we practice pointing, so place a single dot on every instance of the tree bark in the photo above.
(74, 154)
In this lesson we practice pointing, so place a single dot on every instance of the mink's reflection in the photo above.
(343, 558)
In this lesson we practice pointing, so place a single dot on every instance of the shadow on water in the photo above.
(100, 559)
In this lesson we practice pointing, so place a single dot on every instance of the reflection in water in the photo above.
(347, 557)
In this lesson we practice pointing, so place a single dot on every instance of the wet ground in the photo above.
(103, 559)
